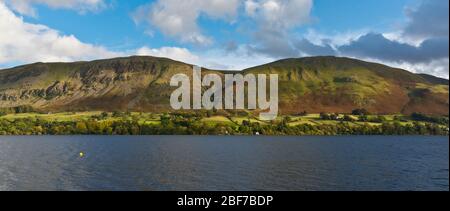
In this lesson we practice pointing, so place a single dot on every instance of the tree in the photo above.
(400, 119)
(165, 120)
(287, 119)
(209, 113)
(104, 115)
(81, 128)
(363, 118)
(324, 116)
(360, 111)
(349, 118)
(334, 116)
(378, 119)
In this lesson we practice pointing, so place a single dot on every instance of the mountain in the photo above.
(335, 84)
(313, 84)
(434, 79)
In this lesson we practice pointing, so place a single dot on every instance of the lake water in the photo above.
(223, 163)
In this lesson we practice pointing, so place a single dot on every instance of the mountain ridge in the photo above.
(141, 83)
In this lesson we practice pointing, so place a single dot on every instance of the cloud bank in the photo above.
(421, 46)
(22, 42)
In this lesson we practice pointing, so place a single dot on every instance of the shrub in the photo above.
(360, 111)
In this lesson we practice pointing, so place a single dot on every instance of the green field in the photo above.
(216, 123)
(151, 118)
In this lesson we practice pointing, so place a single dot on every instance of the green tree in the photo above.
(81, 128)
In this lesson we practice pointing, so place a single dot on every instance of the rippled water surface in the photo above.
(223, 163)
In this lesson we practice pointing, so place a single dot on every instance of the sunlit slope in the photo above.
(331, 84)
(316, 84)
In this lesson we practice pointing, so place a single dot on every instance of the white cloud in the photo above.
(272, 24)
(398, 49)
(426, 21)
(334, 39)
(251, 7)
(25, 7)
(398, 36)
(22, 42)
(175, 53)
(178, 19)
(213, 59)
(279, 14)
(218, 59)
(438, 67)
(25, 42)
(239, 60)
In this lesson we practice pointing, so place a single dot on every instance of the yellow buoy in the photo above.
(81, 154)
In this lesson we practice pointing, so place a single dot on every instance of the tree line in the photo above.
(179, 125)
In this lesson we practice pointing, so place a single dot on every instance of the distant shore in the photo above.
(213, 123)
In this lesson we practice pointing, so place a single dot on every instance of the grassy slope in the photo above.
(340, 84)
(313, 84)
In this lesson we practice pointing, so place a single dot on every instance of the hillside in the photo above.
(315, 84)
(332, 84)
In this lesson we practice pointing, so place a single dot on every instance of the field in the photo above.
(151, 118)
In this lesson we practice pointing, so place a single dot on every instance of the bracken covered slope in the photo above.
(314, 84)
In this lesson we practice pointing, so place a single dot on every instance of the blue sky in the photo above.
(228, 34)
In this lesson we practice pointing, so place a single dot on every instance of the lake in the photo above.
(225, 163)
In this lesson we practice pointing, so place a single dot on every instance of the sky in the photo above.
(228, 34)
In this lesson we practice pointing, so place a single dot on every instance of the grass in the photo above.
(217, 120)
(149, 118)
(239, 120)
(440, 89)
(297, 78)
(301, 122)
(66, 116)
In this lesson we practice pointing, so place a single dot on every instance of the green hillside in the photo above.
(315, 84)
(332, 84)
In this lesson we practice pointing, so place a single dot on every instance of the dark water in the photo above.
(224, 163)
